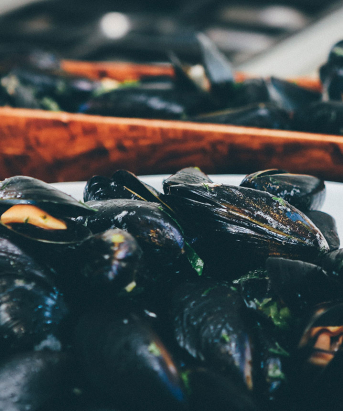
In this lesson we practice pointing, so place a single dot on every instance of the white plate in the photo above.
(333, 204)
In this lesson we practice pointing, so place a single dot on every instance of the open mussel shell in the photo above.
(318, 380)
(182, 79)
(29, 190)
(125, 361)
(74, 233)
(218, 69)
(226, 221)
(304, 192)
(289, 95)
(209, 321)
(122, 184)
(31, 379)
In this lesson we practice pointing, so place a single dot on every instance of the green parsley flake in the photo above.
(154, 350)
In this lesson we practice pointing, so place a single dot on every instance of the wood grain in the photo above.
(70, 147)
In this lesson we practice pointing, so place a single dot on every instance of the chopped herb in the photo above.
(154, 350)
(279, 350)
(274, 372)
(191, 254)
(225, 336)
(207, 291)
(260, 273)
(185, 379)
(206, 186)
(50, 104)
(194, 259)
(280, 316)
(281, 201)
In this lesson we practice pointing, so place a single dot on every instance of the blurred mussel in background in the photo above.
(203, 86)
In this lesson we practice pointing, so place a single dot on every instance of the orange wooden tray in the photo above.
(71, 147)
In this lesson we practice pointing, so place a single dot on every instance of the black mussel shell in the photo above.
(210, 323)
(301, 285)
(146, 221)
(333, 86)
(304, 192)
(327, 225)
(262, 115)
(291, 96)
(331, 74)
(123, 184)
(188, 175)
(15, 259)
(335, 60)
(33, 310)
(31, 379)
(250, 91)
(160, 237)
(324, 117)
(32, 313)
(271, 364)
(210, 390)
(29, 190)
(332, 263)
(40, 89)
(169, 104)
(109, 261)
(218, 70)
(133, 184)
(258, 296)
(229, 221)
(125, 361)
(182, 79)
(104, 188)
(25, 55)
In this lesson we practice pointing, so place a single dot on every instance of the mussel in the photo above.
(125, 360)
(304, 192)
(30, 380)
(225, 221)
(32, 308)
(263, 115)
(209, 324)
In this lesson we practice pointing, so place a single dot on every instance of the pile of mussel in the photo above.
(205, 92)
(202, 297)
